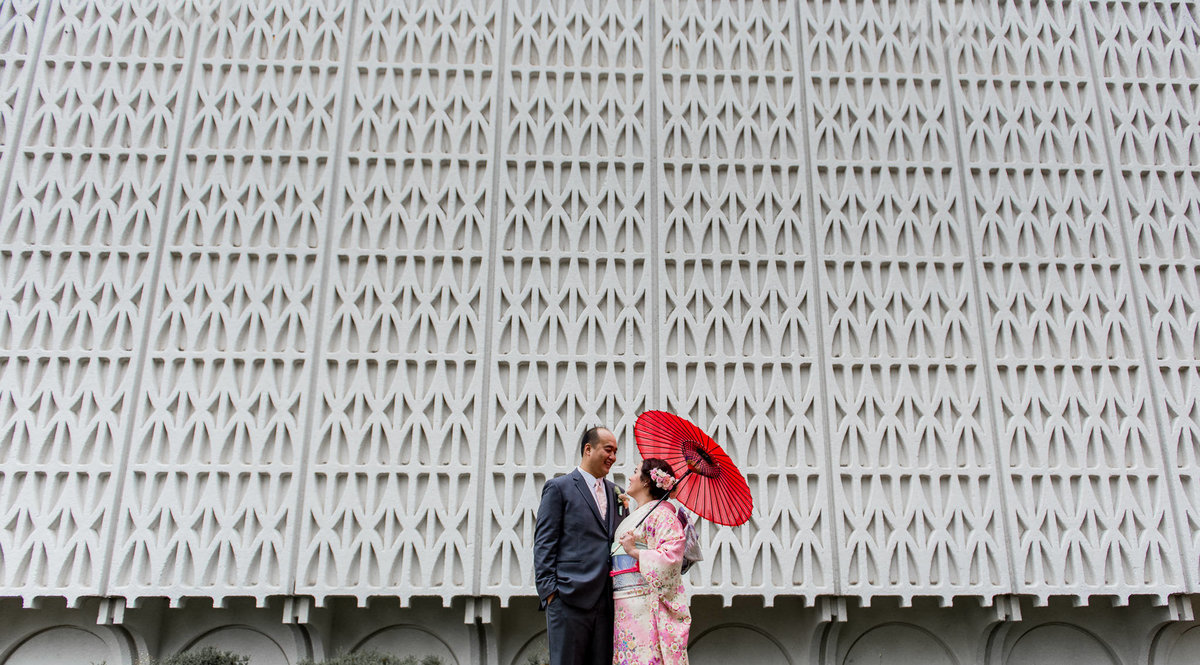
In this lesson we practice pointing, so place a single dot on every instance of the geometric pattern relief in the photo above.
(1086, 479)
(918, 503)
(1148, 63)
(78, 231)
(216, 447)
(1085, 476)
(570, 344)
(392, 481)
(18, 33)
(733, 255)
(58, 431)
(1181, 388)
(313, 297)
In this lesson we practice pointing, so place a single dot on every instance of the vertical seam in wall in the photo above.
(653, 216)
(489, 283)
(1141, 316)
(133, 400)
(8, 159)
(41, 25)
(820, 359)
(323, 294)
(986, 363)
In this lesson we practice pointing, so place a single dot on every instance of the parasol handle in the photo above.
(667, 496)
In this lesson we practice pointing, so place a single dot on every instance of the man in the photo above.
(575, 526)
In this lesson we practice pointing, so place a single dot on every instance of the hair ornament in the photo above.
(662, 479)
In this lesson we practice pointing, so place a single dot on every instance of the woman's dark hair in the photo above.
(648, 465)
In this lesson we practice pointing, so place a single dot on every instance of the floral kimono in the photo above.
(652, 617)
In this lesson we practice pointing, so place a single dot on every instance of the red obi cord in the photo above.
(635, 569)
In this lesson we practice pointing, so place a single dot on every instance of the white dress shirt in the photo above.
(591, 482)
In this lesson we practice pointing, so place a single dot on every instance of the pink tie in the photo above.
(598, 490)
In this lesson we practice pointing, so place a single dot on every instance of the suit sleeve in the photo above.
(546, 537)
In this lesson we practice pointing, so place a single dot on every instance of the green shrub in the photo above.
(375, 658)
(204, 656)
(539, 653)
(540, 658)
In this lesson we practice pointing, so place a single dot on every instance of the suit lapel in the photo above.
(589, 499)
(614, 507)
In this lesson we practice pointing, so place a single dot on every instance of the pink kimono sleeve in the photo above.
(660, 564)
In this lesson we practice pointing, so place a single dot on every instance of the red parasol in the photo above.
(710, 484)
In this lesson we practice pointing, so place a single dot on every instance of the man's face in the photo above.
(599, 456)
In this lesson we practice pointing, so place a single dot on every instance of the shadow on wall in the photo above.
(69, 645)
(718, 646)
(1059, 644)
(245, 641)
(62, 644)
(535, 651)
(901, 644)
(1182, 650)
(405, 640)
(736, 643)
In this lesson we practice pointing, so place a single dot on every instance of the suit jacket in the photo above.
(571, 542)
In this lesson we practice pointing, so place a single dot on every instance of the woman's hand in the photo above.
(627, 541)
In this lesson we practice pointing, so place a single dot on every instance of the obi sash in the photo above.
(627, 579)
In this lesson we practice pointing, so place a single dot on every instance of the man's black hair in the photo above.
(589, 436)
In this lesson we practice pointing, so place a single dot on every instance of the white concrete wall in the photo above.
(832, 633)
(306, 300)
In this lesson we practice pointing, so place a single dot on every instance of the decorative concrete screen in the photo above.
(310, 298)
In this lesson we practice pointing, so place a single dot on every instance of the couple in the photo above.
(581, 521)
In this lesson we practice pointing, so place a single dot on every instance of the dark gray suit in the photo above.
(570, 558)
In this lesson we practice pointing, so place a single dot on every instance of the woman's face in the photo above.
(635, 480)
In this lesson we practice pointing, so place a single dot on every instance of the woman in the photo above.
(652, 618)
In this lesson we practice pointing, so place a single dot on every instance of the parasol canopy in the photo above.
(709, 484)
